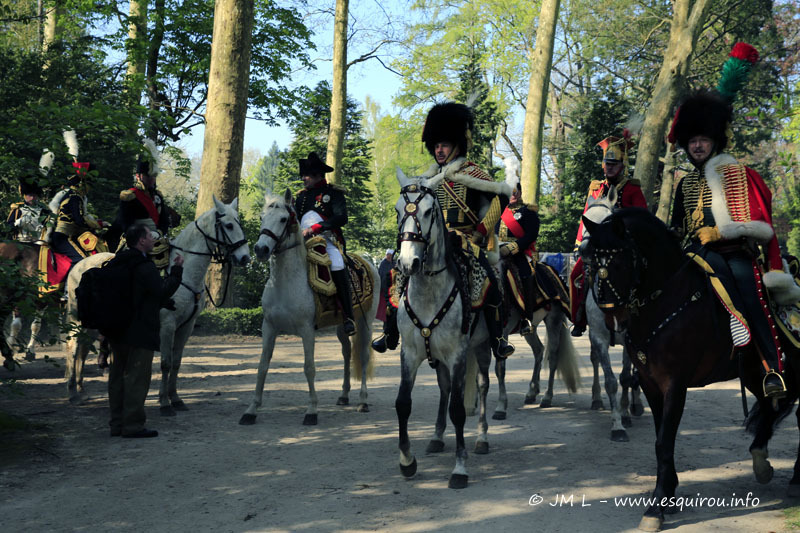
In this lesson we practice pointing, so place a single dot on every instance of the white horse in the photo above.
(216, 234)
(289, 308)
(430, 325)
(601, 337)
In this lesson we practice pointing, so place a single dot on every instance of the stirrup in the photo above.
(525, 327)
(776, 389)
(349, 326)
(502, 348)
(379, 344)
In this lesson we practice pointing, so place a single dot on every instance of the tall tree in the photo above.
(136, 46)
(339, 93)
(227, 106)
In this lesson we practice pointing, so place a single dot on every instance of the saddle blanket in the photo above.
(548, 290)
(53, 269)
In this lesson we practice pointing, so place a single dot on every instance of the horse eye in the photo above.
(229, 225)
(283, 219)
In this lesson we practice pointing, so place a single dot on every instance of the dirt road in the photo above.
(207, 473)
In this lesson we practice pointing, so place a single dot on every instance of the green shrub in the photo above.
(229, 321)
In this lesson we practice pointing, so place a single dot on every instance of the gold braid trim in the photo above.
(735, 186)
(492, 215)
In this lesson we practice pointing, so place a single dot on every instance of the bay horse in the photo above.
(431, 325)
(289, 308)
(216, 235)
(601, 337)
(679, 334)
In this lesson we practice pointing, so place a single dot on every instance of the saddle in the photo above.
(548, 289)
(327, 308)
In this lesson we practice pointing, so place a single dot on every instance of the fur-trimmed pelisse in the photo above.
(703, 113)
(449, 122)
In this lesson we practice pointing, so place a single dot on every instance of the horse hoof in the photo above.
(470, 411)
(9, 365)
(499, 415)
(761, 467)
(619, 435)
(343, 400)
(530, 400)
(651, 523)
(637, 409)
(30, 356)
(793, 491)
(458, 481)
(178, 405)
(597, 405)
(435, 446)
(481, 447)
(626, 422)
(247, 420)
(409, 470)
(166, 410)
(546, 402)
(310, 420)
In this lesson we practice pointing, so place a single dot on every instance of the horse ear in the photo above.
(235, 204)
(401, 178)
(287, 196)
(219, 205)
(589, 225)
(612, 195)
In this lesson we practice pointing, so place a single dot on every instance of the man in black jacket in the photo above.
(132, 365)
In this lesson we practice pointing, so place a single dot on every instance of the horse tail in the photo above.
(471, 381)
(361, 349)
(754, 418)
(567, 358)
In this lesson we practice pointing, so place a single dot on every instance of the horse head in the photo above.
(278, 218)
(229, 239)
(598, 209)
(420, 226)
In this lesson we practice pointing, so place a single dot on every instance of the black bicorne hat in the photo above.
(449, 122)
(28, 184)
(704, 113)
(142, 166)
(313, 165)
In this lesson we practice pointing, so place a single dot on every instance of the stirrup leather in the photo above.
(777, 394)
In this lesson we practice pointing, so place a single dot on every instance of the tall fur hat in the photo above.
(449, 122)
(149, 164)
(28, 184)
(704, 113)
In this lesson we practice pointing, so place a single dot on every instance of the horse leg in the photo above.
(30, 349)
(482, 442)
(310, 371)
(552, 356)
(626, 384)
(436, 443)
(618, 433)
(758, 448)
(362, 351)
(181, 337)
(597, 398)
(267, 347)
(8, 355)
(669, 406)
(344, 339)
(502, 398)
(166, 346)
(13, 335)
(794, 483)
(458, 416)
(402, 404)
(538, 355)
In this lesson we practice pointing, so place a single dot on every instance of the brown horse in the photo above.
(25, 258)
(679, 336)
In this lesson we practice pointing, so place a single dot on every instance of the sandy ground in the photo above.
(205, 472)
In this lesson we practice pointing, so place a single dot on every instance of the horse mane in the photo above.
(657, 243)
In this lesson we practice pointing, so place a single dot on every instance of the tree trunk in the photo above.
(156, 39)
(137, 50)
(667, 186)
(223, 143)
(52, 28)
(338, 92)
(557, 151)
(536, 105)
(687, 22)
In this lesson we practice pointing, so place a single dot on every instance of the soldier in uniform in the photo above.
(629, 194)
(723, 211)
(471, 203)
(27, 218)
(322, 210)
(518, 230)
(72, 219)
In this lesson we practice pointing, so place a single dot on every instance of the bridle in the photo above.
(599, 267)
(280, 239)
(411, 211)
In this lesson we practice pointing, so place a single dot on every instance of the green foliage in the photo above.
(262, 179)
(474, 91)
(248, 281)
(230, 321)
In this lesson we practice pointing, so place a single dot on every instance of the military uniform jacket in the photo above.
(329, 202)
(26, 222)
(731, 197)
(629, 194)
(72, 219)
(139, 205)
(478, 201)
(519, 226)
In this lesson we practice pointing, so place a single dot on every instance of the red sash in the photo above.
(147, 202)
(516, 229)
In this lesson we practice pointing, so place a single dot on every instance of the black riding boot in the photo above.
(341, 278)
(391, 336)
(529, 297)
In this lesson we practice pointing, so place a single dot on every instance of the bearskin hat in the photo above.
(449, 122)
(704, 113)
(28, 184)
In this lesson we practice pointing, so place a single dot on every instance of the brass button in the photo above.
(411, 208)
(602, 273)
(426, 332)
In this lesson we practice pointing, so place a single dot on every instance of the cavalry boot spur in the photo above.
(774, 386)
(341, 278)
(390, 337)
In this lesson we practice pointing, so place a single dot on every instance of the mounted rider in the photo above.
(471, 204)
(144, 204)
(629, 194)
(517, 232)
(723, 212)
(322, 210)
(26, 220)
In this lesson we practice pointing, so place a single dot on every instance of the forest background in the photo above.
(119, 72)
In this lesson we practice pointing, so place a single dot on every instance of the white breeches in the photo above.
(311, 218)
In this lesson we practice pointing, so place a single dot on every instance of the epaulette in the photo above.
(595, 185)
(475, 171)
(127, 195)
(15, 205)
